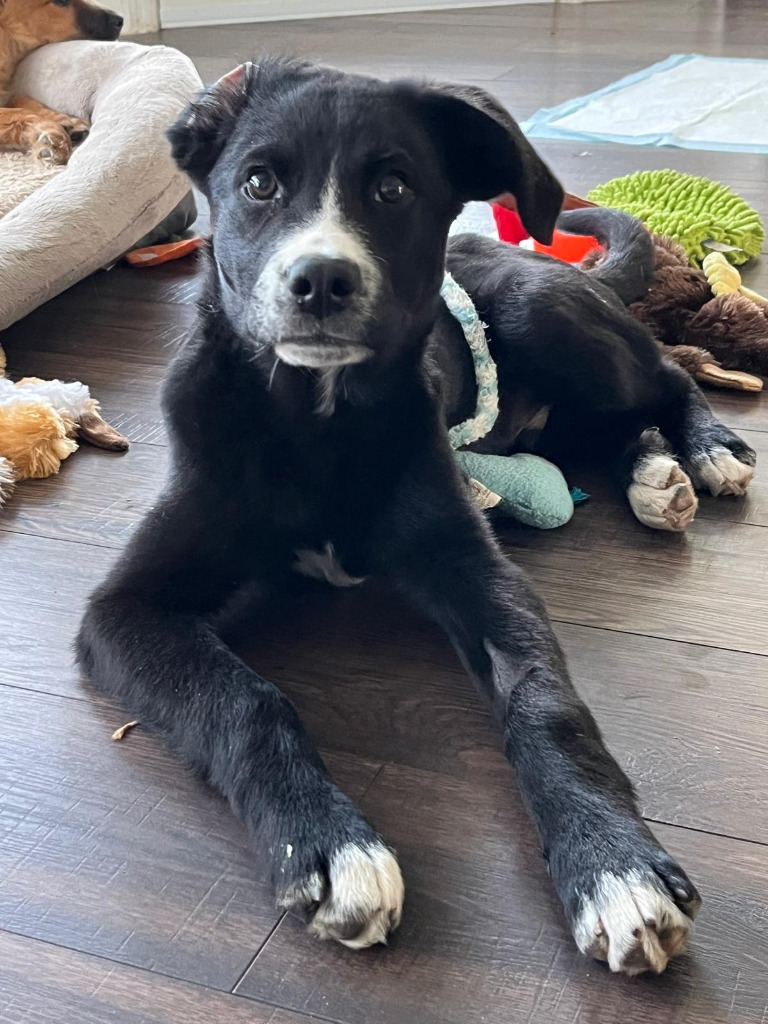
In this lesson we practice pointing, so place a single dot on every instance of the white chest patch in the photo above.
(324, 565)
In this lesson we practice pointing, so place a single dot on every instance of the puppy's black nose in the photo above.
(321, 286)
(116, 22)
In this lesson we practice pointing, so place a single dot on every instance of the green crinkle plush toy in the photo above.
(531, 490)
(690, 209)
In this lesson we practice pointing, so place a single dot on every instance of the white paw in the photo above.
(632, 922)
(661, 495)
(720, 472)
(365, 900)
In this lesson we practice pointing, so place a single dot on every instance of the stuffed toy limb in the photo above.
(702, 365)
(39, 421)
(725, 280)
(73, 401)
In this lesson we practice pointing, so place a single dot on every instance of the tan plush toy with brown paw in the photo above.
(39, 423)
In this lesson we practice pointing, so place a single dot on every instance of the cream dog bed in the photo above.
(119, 183)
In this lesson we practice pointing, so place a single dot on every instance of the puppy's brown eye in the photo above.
(392, 189)
(261, 185)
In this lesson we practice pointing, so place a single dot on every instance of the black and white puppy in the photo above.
(308, 432)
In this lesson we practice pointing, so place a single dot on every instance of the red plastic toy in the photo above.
(566, 247)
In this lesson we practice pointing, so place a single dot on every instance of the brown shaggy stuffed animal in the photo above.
(698, 330)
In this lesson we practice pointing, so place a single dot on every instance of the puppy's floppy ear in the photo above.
(487, 155)
(198, 136)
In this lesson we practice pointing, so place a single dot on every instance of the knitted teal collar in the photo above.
(461, 306)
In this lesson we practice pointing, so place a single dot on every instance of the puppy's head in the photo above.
(37, 22)
(331, 198)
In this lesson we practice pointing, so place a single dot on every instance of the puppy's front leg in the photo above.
(626, 899)
(147, 640)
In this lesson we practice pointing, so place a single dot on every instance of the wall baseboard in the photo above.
(179, 14)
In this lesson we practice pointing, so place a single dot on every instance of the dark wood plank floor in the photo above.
(129, 894)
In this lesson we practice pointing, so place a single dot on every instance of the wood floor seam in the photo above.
(706, 831)
(278, 922)
(656, 636)
(151, 971)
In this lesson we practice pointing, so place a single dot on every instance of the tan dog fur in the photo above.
(26, 25)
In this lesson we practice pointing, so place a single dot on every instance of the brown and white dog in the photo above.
(25, 25)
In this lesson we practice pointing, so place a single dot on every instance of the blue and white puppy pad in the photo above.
(688, 101)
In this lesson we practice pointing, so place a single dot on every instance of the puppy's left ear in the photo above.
(198, 136)
(487, 155)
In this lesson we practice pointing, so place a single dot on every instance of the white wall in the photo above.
(140, 15)
(177, 13)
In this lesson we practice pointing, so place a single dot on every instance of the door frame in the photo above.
(140, 16)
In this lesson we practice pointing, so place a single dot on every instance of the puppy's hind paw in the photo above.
(721, 471)
(661, 495)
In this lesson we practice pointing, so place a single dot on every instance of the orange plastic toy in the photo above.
(569, 248)
(564, 246)
(153, 255)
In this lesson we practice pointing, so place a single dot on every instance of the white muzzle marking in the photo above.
(321, 357)
(326, 235)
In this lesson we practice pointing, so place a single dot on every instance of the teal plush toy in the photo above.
(525, 487)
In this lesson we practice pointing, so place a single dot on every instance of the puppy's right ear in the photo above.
(198, 136)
